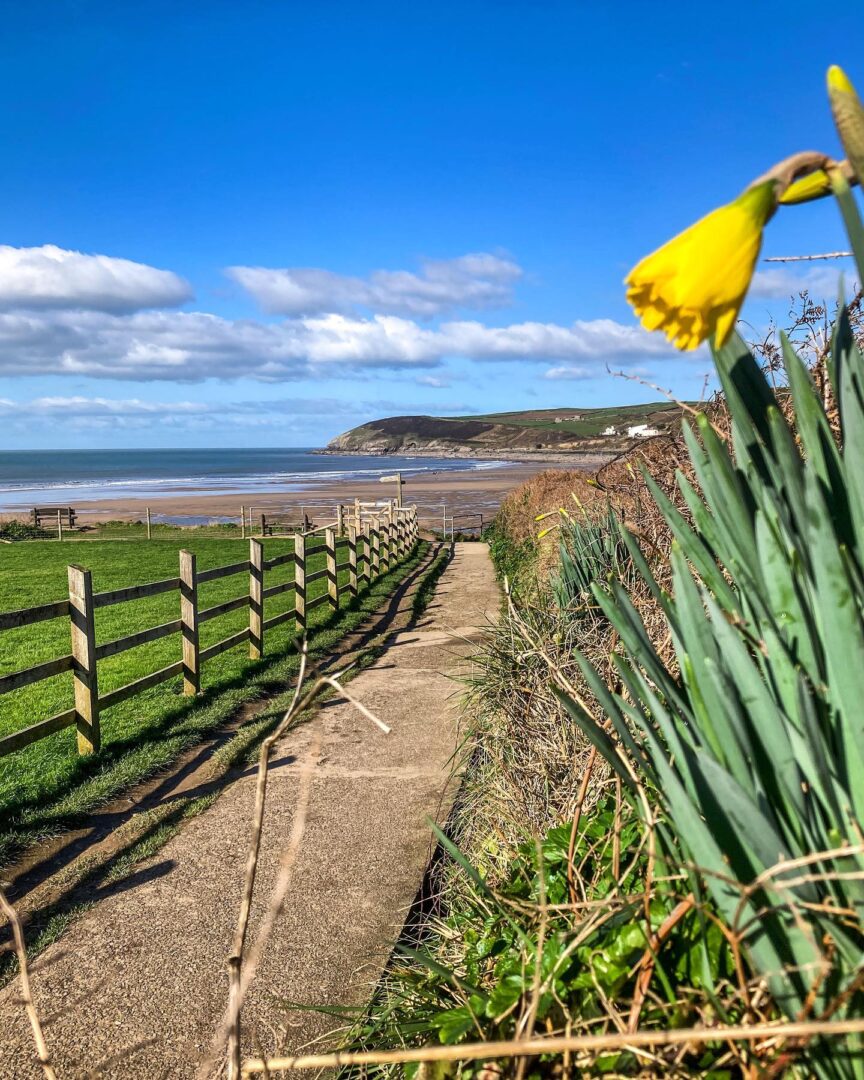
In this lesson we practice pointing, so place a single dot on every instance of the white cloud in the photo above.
(782, 281)
(100, 413)
(191, 346)
(51, 277)
(568, 372)
(432, 380)
(470, 281)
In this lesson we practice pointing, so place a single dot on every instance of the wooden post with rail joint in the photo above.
(256, 599)
(375, 539)
(352, 560)
(189, 621)
(364, 561)
(332, 577)
(300, 583)
(83, 632)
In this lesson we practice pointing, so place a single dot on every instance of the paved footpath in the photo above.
(143, 976)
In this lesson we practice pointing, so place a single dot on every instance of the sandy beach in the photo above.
(466, 493)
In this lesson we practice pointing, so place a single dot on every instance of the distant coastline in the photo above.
(574, 459)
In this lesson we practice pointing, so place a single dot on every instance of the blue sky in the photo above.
(248, 171)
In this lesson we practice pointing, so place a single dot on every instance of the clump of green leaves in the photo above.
(591, 550)
(530, 948)
(754, 737)
(20, 530)
(513, 559)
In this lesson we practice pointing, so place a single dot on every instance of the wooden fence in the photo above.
(371, 549)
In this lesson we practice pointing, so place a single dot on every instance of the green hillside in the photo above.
(526, 430)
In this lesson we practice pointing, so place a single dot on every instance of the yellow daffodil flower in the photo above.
(694, 285)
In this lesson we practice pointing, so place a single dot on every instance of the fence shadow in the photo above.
(163, 802)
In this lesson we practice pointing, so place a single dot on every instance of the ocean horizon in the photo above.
(30, 477)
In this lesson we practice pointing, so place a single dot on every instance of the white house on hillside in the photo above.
(609, 430)
(642, 431)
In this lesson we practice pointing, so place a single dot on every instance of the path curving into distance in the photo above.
(135, 988)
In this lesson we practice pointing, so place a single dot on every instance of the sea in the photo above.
(65, 477)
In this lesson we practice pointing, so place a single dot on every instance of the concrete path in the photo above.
(136, 987)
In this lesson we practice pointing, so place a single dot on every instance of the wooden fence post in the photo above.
(189, 620)
(365, 575)
(357, 515)
(392, 549)
(83, 631)
(242, 522)
(59, 525)
(352, 560)
(263, 525)
(256, 599)
(332, 579)
(384, 548)
(300, 582)
(340, 521)
(149, 525)
(375, 537)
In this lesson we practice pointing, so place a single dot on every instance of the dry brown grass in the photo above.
(527, 759)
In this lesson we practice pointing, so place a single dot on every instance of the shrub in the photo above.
(21, 530)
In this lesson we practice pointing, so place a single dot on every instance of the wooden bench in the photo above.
(273, 526)
(46, 516)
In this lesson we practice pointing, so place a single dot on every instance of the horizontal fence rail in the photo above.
(365, 544)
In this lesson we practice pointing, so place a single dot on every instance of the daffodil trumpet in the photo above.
(692, 287)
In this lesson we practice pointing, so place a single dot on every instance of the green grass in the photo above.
(593, 422)
(122, 530)
(47, 783)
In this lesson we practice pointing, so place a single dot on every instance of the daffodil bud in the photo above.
(848, 116)
(816, 185)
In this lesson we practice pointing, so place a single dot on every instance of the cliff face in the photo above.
(434, 435)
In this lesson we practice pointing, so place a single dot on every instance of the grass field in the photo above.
(148, 730)
(13, 528)
(593, 421)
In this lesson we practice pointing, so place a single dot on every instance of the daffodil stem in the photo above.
(851, 219)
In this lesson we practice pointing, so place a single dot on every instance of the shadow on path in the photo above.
(166, 798)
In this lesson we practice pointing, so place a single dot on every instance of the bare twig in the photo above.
(512, 1048)
(574, 829)
(683, 405)
(646, 964)
(242, 969)
(274, 908)
(235, 959)
(808, 258)
(26, 995)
